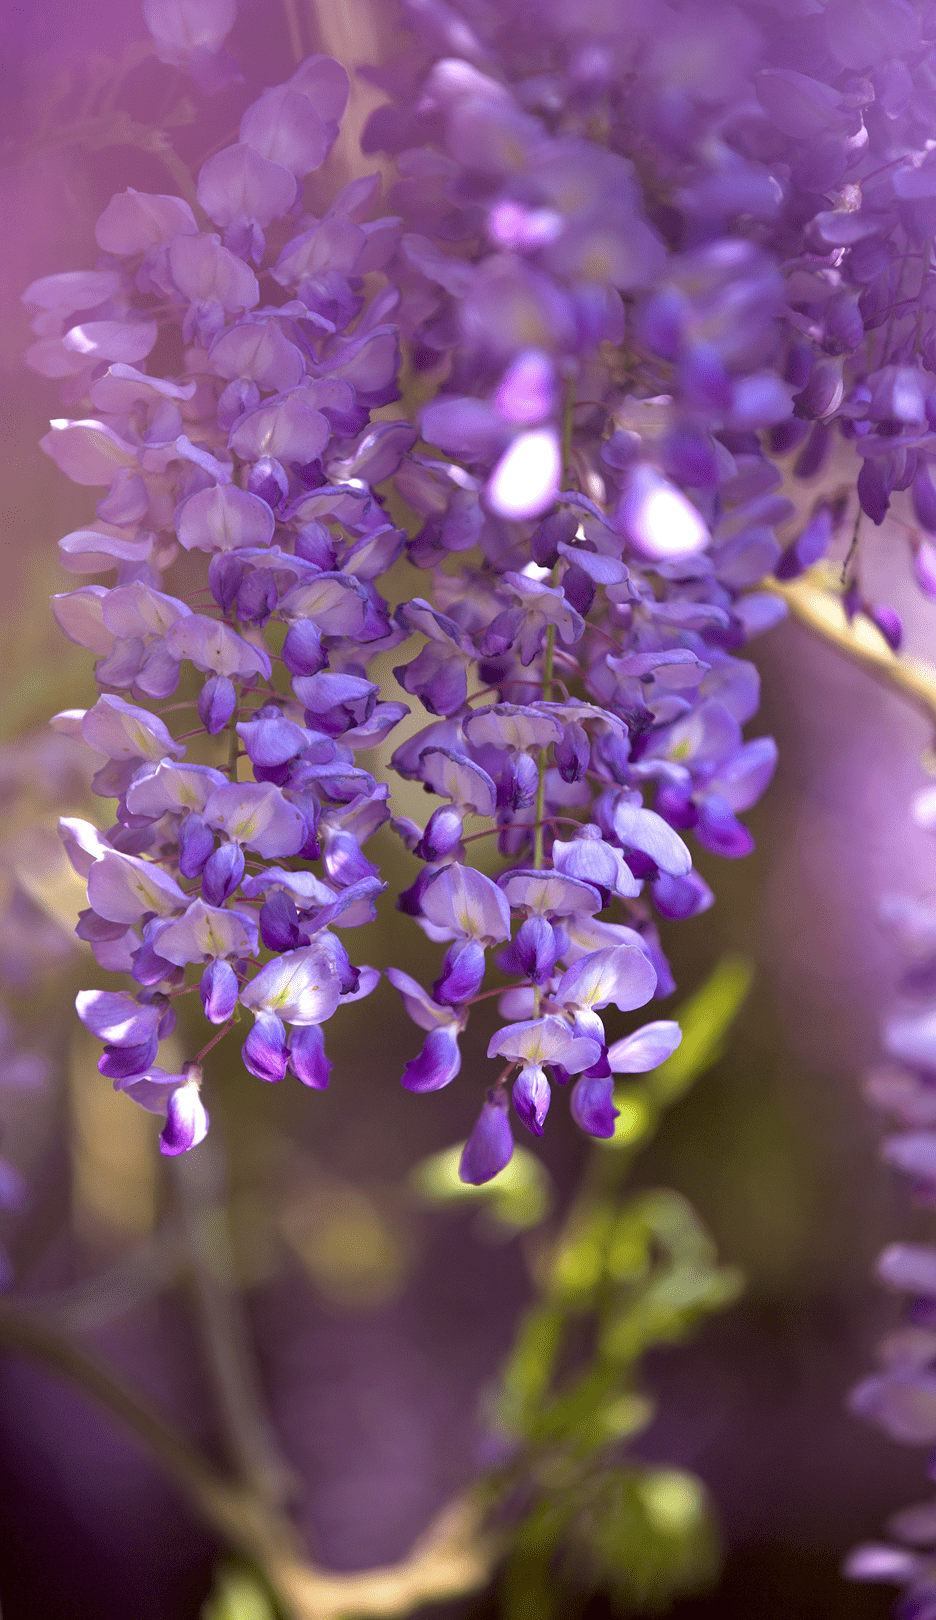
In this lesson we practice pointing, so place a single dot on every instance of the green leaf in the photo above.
(705, 1020)
(237, 1595)
(519, 1198)
(643, 1536)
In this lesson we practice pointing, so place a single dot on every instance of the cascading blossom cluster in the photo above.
(634, 258)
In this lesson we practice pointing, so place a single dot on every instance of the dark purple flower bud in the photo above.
(307, 1056)
(268, 479)
(462, 973)
(923, 496)
(222, 873)
(186, 1120)
(217, 701)
(546, 537)
(531, 1097)
(676, 805)
(519, 783)
(196, 843)
(888, 622)
(218, 990)
(874, 489)
(591, 1103)
(279, 923)
(225, 577)
(264, 1051)
(438, 1062)
(578, 589)
(118, 1062)
(680, 897)
(442, 835)
(536, 948)
(810, 545)
(824, 391)
(437, 676)
(573, 752)
(490, 1146)
(257, 596)
(302, 648)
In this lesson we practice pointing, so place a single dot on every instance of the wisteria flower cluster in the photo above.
(623, 308)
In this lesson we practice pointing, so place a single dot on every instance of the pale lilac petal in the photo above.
(641, 829)
(87, 452)
(112, 340)
(122, 731)
(86, 551)
(71, 290)
(645, 1049)
(238, 183)
(257, 814)
(223, 519)
(208, 932)
(216, 648)
(179, 28)
(134, 221)
(420, 1006)
(527, 392)
(462, 899)
(326, 84)
(207, 273)
(620, 974)
(283, 126)
(287, 430)
(80, 616)
(116, 1018)
(260, 351)
(456, 777)
(545, 1040)
(123, 887)
(549, 894)
(300, 987)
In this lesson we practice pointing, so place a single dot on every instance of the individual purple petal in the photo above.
(443, 834)
(908, 1267)
(536, 948)
(459, 779)
(287, 430)
(122, 887)
(438, 1063)
(301, 985)
(719, 829)
(462, 973)
(420, 1006)
(208, 931)
(284, 127)
(167, 786)
(307, 1057)
(218, 988)
(121, 1062)
(256, 814)
(238, 183)
(643, 830)
(279, 923)
(531, 1098)
(264, 1051)
(526, 480)
(186, 1120)
(489, 1148)
(217, 701)
(302, 649)
(591, 1103)
(221, 874)
(207, 274)
(913, 1153)
(620, 974)
(260, 351)
(680, 897)
(527, 391)
(645, 1049)
(549, 894)
(87, 452)
(134, 221)
(592, 861)
(545, 1040)
(215, 648)
(223, 518)
(466, 902)
(116, 1018)
(122, 731)
(873, 1562)
(902, 1403)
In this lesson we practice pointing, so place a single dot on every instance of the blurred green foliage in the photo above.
(623, 1274)
(237, 1595)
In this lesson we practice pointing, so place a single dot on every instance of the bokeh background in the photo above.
(379, 1323)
